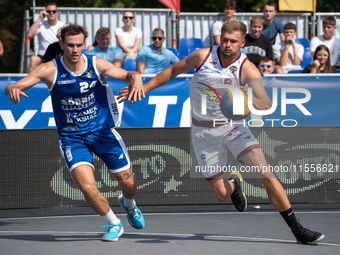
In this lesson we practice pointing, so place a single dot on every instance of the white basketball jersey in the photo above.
(205, 98)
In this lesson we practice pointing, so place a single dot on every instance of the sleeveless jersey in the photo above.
(82, 103)
(204, 94)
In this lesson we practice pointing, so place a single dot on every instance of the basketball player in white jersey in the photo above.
(210, 142)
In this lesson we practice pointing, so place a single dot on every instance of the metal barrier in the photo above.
(196, 25)
(94, 18)
(199, 25)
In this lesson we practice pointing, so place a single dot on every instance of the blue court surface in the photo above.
(202, 229)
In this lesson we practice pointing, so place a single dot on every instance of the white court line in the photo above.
(207, 237)
(169, 214)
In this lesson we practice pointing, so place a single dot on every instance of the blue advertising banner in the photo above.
(297, 101)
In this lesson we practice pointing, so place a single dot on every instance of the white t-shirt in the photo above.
(333, 45)
(47, 35)
(279, 48)
(216, 27)
(129, 38)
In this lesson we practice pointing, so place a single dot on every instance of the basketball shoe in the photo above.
(134, 215)
(113, 232)
(238, 197)
(306, 236)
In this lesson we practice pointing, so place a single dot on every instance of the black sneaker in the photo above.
(238, 197)
(306, 236)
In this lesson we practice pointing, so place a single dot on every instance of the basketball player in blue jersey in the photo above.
(86, 113)
(211, 142)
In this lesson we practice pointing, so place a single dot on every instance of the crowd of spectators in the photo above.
(261, 46)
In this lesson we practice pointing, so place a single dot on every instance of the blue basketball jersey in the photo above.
(82, 103)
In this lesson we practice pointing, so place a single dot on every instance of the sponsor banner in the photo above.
(298, 101)
(35, 175)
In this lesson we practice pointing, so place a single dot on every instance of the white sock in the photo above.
(129, 203)
(111, 218)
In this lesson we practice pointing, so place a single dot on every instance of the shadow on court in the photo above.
(169, 230)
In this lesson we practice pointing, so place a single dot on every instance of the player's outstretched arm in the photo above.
(44, 72)
(251, 76)
(186, 64)
(134, 79)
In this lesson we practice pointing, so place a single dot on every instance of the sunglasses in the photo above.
(126, 17)
(263, 66)
(155, 38)
(49, 11)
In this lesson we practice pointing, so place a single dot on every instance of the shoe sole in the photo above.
(245, 198)
(314, 242)
(115, 239)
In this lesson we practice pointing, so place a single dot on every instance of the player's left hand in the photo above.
(123, 94)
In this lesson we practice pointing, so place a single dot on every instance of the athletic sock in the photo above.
(111, 218)
(289, 217)
(129, 203)
(233, 182)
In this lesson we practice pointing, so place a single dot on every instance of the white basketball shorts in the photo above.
(210, 145)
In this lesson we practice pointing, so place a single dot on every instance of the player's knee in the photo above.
(89, 189)
(268, 182)
(129, 186)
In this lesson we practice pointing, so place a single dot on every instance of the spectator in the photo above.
(267, 66)
(257, 45)
(94, 44)
(53, 50)
(152, 59)
(229, 8)
(288, 53)
(321, 62)
(1, 49)
(328, 39)
(105, 50)
(271, 26)
(46, 30)
(129, 37)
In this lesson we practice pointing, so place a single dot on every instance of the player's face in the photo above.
(255, 30)
(322, 56)
(157, 39)
(73, 47)
(229, 13)
(104, 41)
(269, 12)
(328, 30)
(231, 43)
(266, 67)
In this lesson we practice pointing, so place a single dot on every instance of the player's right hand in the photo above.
(15, 94)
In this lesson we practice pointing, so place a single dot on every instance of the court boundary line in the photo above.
(168, 214)
(222, 237)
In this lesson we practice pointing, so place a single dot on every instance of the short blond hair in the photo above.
(233, 26)
(257, 20)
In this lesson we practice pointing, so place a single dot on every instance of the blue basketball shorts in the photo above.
(107, 144)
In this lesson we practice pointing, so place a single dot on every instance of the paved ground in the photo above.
(169, 230)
